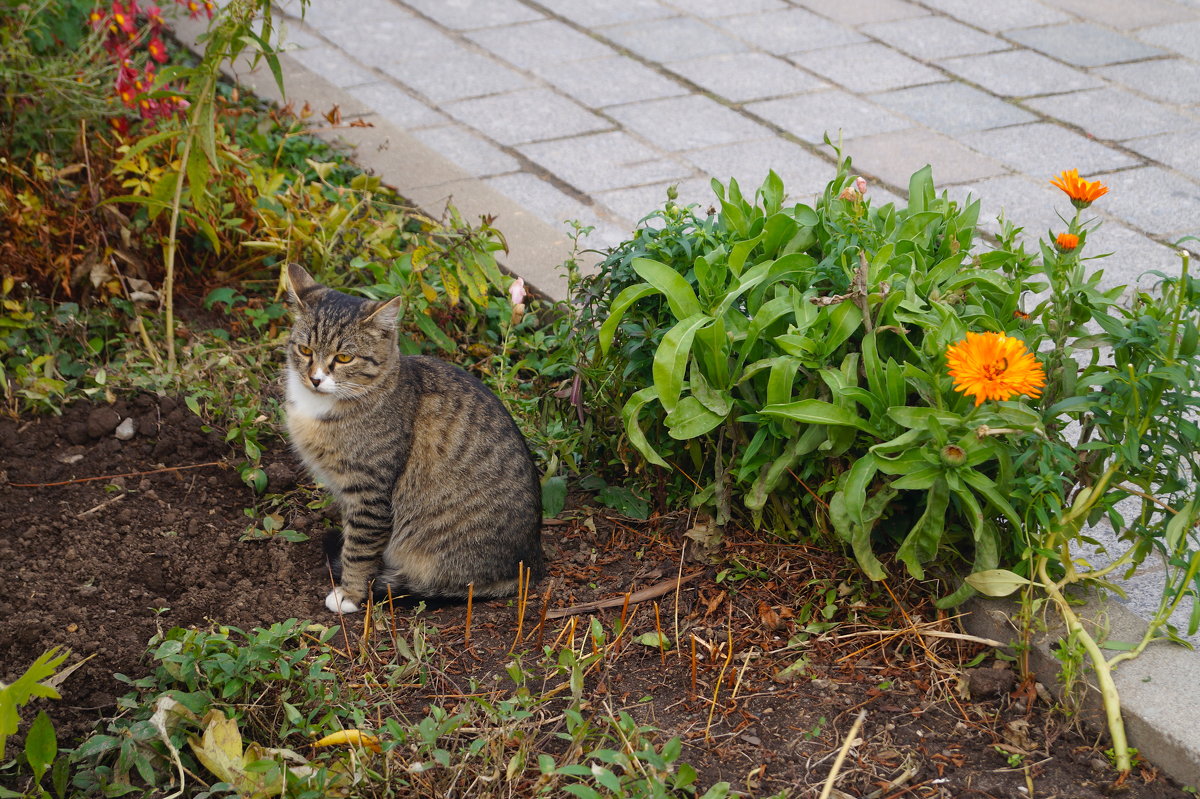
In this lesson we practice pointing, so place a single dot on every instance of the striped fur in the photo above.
(435, 483)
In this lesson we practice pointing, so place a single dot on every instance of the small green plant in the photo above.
(1014, 759)
(41, 742)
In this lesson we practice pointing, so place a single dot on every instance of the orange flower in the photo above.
(1082, 192)
(1067, 241)
(994, 366)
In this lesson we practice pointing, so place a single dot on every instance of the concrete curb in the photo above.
(1160, 689)
(536, 251)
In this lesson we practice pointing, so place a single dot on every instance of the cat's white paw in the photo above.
(337, 602)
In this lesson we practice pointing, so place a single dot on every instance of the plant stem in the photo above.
(1108, 689)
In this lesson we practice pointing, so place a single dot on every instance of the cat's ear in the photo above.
(387, 313)
(299, 281)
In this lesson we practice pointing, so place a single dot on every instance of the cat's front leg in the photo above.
(367, 525)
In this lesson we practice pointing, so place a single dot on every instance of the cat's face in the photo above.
(340, 346)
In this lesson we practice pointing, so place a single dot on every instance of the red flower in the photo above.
(122, 19)
(154, 14)
(157, 50)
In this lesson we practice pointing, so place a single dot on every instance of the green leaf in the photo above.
(41, 745)
(919, 479)
(921, 543)
(629, 414)
(690, 419)
(554, 495)
(679, 294)
(1179, 524)
(996, 582)
(655, 639)
(719, 402)
(844, 319)
(671, 358)
(616, 311)
(907, 416)
(858, 477)
(818, 412)
(920, 190)
(18, 693)
(434, 333)
(621, 499)
(857, 535)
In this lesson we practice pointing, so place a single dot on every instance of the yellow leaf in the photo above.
(429, 291)
(220, 747)
(350, 738)
(450, 283)
(420, 258)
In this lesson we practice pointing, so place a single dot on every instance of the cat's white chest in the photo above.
(304, 403)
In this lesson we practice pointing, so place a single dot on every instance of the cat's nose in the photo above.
(316, 381)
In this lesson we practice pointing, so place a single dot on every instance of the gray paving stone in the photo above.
(893, 157)
(865, 68)
(724, 8)
(633, 204)
(1178, 150)
(1043, 149)
(605, 161)
(929, 38)
(1182, 37)
(672, 39)
(1084, 44)
(538, 43)
(526, 116)
(742, 77)
(609, 81)
(791, 31)
(542, 198)
(804, 175)
(953, 108)
(376, 44)
(1124, 15)
(1133, 255)
(333, 65)
(456, 77)
(811, 116)
(592, 13)
(1151, 199)
(344, 13)
(470, 151)
(997, 17)
(1025, 202)
(686, 123)
(396, 106)
(863, 12)
(1173, 80)
(1112, 113)
(298, 36)
(468, 14)
(1020, 73)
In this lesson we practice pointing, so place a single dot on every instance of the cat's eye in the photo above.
(304, 350)
(343, 357)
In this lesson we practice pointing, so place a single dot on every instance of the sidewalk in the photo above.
(590, 109)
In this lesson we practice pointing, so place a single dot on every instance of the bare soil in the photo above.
(97, 565)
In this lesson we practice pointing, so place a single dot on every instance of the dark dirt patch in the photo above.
(91, 567)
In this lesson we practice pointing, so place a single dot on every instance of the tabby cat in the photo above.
(435, 483)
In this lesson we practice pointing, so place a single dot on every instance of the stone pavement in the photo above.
(590, 109)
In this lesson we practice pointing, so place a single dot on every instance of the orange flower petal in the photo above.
(994, 366)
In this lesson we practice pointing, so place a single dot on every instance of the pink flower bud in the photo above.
(516, 291)
(860, 183)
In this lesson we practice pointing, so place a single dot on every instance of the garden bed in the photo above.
(100, 565)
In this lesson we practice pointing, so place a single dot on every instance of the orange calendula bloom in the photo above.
(1082, 192)
(994, 366)
(1067, 241)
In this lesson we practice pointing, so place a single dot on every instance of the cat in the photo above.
(435, 483)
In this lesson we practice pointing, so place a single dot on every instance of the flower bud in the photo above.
(1066, 242)
(516, 291)
(953, 455)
